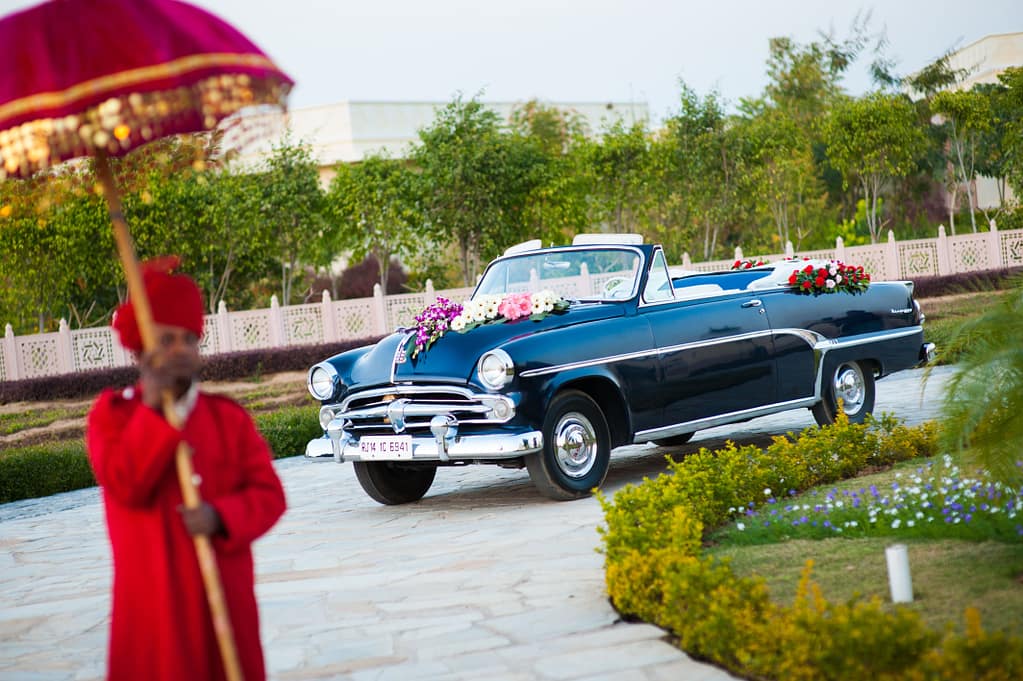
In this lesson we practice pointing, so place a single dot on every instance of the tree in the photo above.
(617, 171)
(992, 156)
(556, 207)
(870, 141)
(476, 181)
(291, 206)
(702, 169)
(966, 115)
(1012, 143)
(780, 173)
(375, 205)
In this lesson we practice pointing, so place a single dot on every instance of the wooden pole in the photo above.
(186, 474)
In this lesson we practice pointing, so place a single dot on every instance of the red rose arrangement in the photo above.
(832, 278)
(747, 264)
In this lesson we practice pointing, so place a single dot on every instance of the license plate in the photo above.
(386, 447)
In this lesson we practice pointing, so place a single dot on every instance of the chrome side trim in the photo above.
(811, 338)
(852, 341)
(713, 421)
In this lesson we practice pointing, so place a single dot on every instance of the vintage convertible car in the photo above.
(564, 353)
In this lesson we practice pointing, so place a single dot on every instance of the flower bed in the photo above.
(655, 571)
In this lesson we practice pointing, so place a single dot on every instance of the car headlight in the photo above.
(323, 381)
(496, 369)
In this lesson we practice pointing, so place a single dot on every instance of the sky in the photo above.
(575, 51)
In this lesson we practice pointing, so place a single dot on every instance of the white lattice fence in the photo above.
(250, 330)
(1011, 248)
(969, 252)
(402, 309)
(93, 349)
(918, 258)
(38, 355)
(303, 324)
(212, 341)
(356, 318)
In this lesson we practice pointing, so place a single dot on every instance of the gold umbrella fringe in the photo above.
(122, 123)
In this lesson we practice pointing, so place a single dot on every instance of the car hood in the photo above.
(453, 357)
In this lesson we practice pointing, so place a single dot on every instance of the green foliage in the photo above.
(288, 430)
(871, 140)
(476, 182)
(375, 208)
(966, 116)
(27, 472)
(984, 399)
(654, 569)
(291, 204)
(1010, 106)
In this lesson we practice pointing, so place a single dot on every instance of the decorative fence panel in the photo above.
(66, 351)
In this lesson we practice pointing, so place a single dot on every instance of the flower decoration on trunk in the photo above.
(747, 264)
(831, 277)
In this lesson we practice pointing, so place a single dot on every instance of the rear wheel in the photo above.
(394, 483)
(576, 448)
(853, 384)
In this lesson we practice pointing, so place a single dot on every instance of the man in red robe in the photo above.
(161, 626)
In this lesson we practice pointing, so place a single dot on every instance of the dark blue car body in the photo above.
(658, 359)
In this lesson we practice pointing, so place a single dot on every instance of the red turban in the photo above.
(174, 299)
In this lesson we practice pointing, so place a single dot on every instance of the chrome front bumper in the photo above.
(445, 445)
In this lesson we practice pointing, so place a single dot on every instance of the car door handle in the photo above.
(752, 303)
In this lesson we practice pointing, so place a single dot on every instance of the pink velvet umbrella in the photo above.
(101, 77)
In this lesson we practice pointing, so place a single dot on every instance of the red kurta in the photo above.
(161, 626)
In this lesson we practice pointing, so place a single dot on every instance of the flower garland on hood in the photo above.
(444, 315)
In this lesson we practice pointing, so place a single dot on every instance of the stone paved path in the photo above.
(481, 579)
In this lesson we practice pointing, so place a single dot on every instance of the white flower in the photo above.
(767, 491)
(832, 270)
(538, 305)
(740, 526)
(458, 323)
(896, 523)
(830, 283)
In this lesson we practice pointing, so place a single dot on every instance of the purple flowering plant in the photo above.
(432, 323)
(935, 500)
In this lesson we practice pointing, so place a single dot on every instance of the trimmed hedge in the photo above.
(223, 367)
(655, 570)
(965, 282)
(38, 471)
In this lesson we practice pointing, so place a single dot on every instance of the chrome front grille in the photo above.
(408, 409)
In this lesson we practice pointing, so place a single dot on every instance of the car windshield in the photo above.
(576, 274)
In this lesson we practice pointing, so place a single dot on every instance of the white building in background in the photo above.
(347, 131)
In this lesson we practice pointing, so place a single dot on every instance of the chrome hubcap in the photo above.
(575, 445)
(849, 388)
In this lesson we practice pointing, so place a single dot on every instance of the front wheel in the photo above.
(576, 448)
(394, 483)
(852, 383)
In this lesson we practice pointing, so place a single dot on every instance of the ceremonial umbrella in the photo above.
(101, 77)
